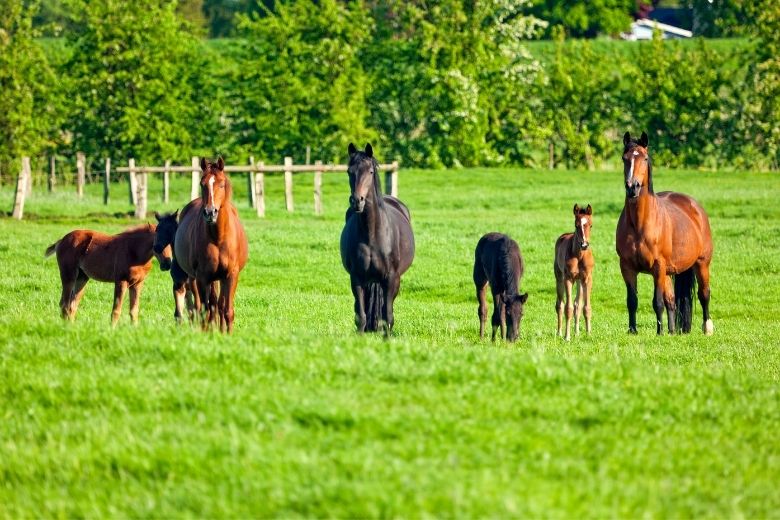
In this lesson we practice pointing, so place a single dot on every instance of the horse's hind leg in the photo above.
(702, 271)
(560, 295)
(68, 275)
(482, 309)
(119, 295)
(587, 286)
(78, 293)
(391, 291)
(498, 320)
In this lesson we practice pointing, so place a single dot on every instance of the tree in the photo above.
(28, 109)
(586, 18)
(129, 70)
(302, 82)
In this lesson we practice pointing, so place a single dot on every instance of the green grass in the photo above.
(295, 415)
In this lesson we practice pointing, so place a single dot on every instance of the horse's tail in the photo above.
(51, 249)
(376, 298)
(684, 285)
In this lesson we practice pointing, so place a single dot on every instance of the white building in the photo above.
(643, 30)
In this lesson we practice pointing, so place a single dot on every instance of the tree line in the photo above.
(450, 83)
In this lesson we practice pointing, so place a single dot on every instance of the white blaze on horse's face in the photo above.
(214, 195)
(635, 176)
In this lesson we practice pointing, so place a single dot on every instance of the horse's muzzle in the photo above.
(633, 190)
(210, 215)
(584, 246)
(357, 204)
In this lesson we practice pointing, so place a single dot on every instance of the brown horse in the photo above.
(662, 234)
(574, 266)
(211, 246)
(124, 259)
(497, 261)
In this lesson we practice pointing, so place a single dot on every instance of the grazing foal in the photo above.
(497, 261)
(124, 259)
(574, 265)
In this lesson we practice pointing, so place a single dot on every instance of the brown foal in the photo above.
(574, 265)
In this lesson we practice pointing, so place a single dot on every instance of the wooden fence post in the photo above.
(26, 166)
(250, 182)
(308, 155)
(195, 188)
(143, 182)
(21, 190)
(551, 156)
(52, 177)
(391, 180)
(107, 180)
(260, 190)
(318, 188)
(288, 184)
(81, 174)
(133, 182)
(167, 182)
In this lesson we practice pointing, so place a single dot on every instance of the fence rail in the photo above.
(138, 181)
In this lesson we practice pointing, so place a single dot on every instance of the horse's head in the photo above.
(513, 305)
(163, 238)
(363, 176)
(214, 187)
(583, 221)
(636, 165)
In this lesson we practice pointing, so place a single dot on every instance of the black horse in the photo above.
(497, 261)
(377, 243)
(184, 288)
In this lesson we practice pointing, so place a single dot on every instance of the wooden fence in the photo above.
(138, 181)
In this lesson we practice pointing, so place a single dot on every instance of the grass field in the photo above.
(295, 415)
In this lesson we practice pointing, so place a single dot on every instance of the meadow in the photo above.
(296, 415)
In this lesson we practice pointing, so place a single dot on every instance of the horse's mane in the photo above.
(507, 267)
(357, 158)
(630, 146)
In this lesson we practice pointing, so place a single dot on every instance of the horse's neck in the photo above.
(642, 212)
(374, 215)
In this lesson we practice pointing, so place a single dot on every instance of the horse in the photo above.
(377, 243)
(498, 262)
(184, 287)
(124, 259)
(211, 247)
(662, 234)
(573, 265)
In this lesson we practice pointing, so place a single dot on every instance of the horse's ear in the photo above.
(643, 140)
(220, 163)
(352, 149)
(523, 297)
(157, 216)
(369, 151)
(203, 163)
(576, 209)
(589, 210)
(176, 215)
(626, 139)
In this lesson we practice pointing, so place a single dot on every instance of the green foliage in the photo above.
(130, 69)
(586, 18)
(723, 18)
(29, 109)
(294, 415)
(301, 82)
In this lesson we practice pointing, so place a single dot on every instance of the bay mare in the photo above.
(377, 243)
(124, 259)
(211, 246)
(662, 234)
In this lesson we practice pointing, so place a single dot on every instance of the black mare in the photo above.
(377, 243)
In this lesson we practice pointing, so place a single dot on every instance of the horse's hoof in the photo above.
(632, 331)
(708, 328)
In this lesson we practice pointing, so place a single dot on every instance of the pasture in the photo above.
(296, 415)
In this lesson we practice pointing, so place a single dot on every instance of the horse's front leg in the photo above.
(632, 301)
(360, 307)
(587, 285)
(568, 285)
(660, 297)
(391, 288)
(119, 295)
(495, 319)
(227, 299)
(204, 290)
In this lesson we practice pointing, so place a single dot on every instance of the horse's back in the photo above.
(400, 206)
(499, 257)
